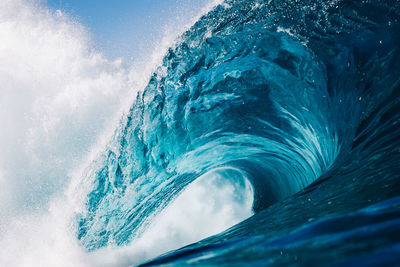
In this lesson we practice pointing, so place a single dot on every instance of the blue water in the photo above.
(302, 98)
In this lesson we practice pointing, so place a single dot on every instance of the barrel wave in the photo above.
(296, 102)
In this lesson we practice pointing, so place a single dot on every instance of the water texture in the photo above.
(294, 105)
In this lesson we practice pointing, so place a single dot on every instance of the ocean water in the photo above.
(267, 134)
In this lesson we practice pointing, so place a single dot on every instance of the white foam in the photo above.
(56, 95)
(212, 203)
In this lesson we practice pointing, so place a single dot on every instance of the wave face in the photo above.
(296, 104)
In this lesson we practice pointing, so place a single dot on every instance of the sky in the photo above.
(130, 29)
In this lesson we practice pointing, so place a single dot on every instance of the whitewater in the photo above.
(262, 133)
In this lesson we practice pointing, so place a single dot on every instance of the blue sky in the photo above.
(129, 29)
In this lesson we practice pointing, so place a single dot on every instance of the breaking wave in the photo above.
(276, 119)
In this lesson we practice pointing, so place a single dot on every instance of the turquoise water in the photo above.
(293, 103)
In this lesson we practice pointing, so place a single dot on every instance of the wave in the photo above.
(289, 94)
(275, 119)
(325, 77)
